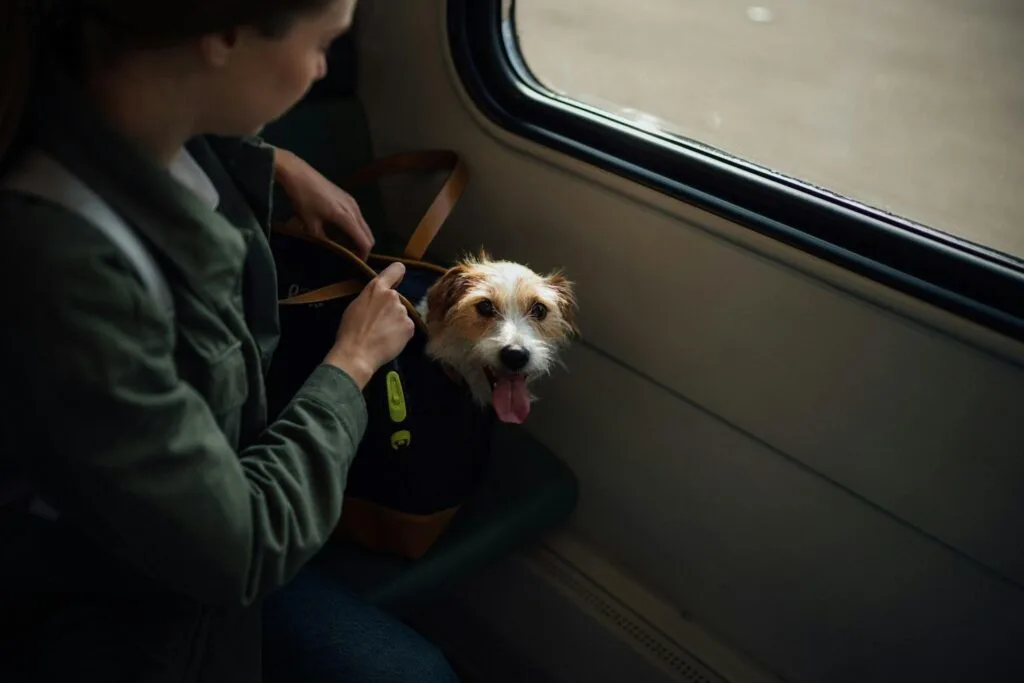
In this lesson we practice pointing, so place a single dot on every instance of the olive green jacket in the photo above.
(182, 505)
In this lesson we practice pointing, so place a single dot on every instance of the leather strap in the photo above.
(419, 241)
(409, 162)
(344, 288)
(444, 202)
(338, 290)
(294, 228)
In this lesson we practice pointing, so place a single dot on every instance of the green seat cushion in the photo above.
(526, 491)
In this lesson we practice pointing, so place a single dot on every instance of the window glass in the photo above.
(915, 107)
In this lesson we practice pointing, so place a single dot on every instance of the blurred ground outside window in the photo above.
(915, 107)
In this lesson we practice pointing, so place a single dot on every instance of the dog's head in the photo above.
(500, 325)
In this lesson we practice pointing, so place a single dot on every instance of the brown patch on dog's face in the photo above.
(538, 304)
(565, 296)
(460, 304)
(444, 293)
(472, 319)
(548, 303)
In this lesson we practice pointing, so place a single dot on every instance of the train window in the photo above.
(882, 135)
(914, 107)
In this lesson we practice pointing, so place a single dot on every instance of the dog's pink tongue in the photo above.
(511, 400)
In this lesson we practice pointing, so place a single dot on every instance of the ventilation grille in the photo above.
(631, 626)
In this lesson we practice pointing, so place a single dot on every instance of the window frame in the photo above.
(967, 279)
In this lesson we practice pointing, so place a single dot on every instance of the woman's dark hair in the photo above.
(26, 26)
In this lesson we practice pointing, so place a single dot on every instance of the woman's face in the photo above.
(256, 79)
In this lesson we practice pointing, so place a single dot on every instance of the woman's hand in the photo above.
(374, 328)
(318, 201)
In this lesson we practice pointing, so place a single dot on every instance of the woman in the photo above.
(180, 508)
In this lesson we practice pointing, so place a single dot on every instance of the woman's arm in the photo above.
(131, 454)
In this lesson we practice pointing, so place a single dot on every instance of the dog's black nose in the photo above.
(514, 358)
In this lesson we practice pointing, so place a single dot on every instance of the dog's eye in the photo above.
(539, 311)
(486, 308)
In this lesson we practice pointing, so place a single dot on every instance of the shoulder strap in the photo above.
(43, 176)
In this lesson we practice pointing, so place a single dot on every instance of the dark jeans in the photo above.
(315, 630)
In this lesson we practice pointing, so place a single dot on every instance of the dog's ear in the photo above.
(446, 292)
(566, 293)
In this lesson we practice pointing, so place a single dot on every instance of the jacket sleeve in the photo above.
(132, 455)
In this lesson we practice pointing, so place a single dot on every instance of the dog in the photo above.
(499, 325)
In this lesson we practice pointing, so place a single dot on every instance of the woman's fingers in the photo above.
(392, 275)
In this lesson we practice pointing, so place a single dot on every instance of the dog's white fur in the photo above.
(482, 306)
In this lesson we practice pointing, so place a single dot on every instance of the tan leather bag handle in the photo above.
(419, 241)
(444, 202)
(408, 162)
(344, 288)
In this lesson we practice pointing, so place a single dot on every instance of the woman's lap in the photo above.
(316, 630)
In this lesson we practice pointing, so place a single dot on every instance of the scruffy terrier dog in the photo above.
(500, 326)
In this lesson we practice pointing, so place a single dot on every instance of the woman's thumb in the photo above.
(392, 275)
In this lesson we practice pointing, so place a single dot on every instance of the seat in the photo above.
(526, 491)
